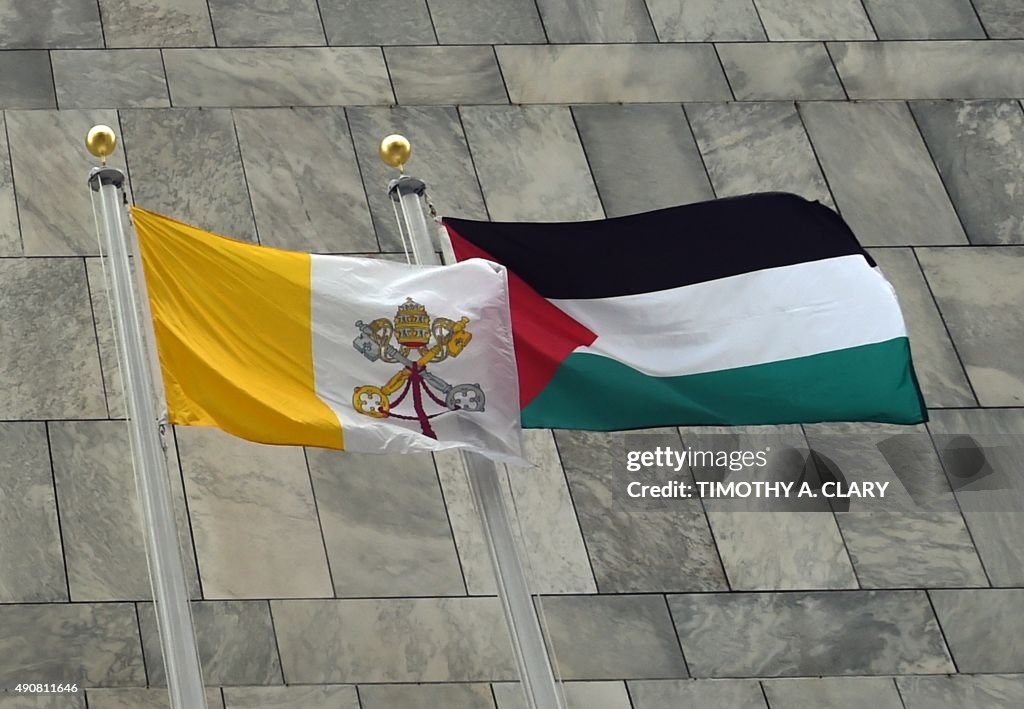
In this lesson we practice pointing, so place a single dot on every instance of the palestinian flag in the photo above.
(760, 309)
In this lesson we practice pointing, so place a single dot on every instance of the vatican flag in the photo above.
(357, 354)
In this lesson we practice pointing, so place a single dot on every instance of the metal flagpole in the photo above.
(540, 685)
(163, 553)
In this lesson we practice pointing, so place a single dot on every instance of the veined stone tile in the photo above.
(881, 175)
(323, 696)
(984, 628)
(959, 691)
(773, 71)
(354, 22)
(465, 521)
(84, 78)
(10, 231)
(938, 368)
(309, 197)
(530, 163)
(448, 75)
(266, 23)
(112, 387)
(930, 70)
(426, 696)
(43, 701)
(846, 692)
(924, 19)
(26, 80)
(578, 695)
(441, 159)
(254, 519)
(486, 21)
(834, 632)
(30, 24)
(978, 291)
(156, 23)
(706, 20)
(637, 545)
(613, 73)
(100, 516)
(757, 147)
(187, 166)
(987, 486)
(278, 76)
(824, 19)
(978, 147)
(91, 644)
(1003, 19)
(385, 525)
(575, 21)
(642, 157)
(235, 640)
(53, 199)
(30, 556)
(393, 640)
(137, 698)
(50, 366)
(710, 693)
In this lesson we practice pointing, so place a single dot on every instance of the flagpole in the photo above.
(539, 682)
(149, 461)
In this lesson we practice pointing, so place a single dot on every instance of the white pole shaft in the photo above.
(163, 552)
(541, 687)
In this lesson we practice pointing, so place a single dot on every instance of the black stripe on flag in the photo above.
(667, 248)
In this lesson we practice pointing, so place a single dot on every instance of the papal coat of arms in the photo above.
(420, 342)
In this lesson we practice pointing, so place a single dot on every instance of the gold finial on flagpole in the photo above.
(101, 142)
(395, 151)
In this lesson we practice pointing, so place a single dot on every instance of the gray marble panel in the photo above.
(10, 231)
(112, 385)
(823, 19)
(385, 525)
(913, 537)
(354, 22)
(253, 518)
(1003, 19)
(642, 157)
(785, 634)
(988, 487)
(26, 80)
(469, 538)
(91, 644)
(978, 147)
(440, 158)
(187, 166)
(445, 75)
(32, 24)
(309, 197)
(50, 365)
(938, 368)
(960, 691)
(136, 698)
(612, 637)
(156, 23)
(979, 292)
(427, 696)
(393, 640)
(265, 23)
(578, 695)
(613, 73)
(924, 19)
(278, 76)
(84, 78)
(760, 71)
(486, 21)
(322, 697)
(100, 516)
(571, 21)
(637, 545)
(846, 692)
(757, 147)
(31, 553)
(709, 693)
(984, 628)
(235, 640)
(53, 200)
(706, 20)
(42, 701)
(881, 175)
(530, 163)
(930, 70)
